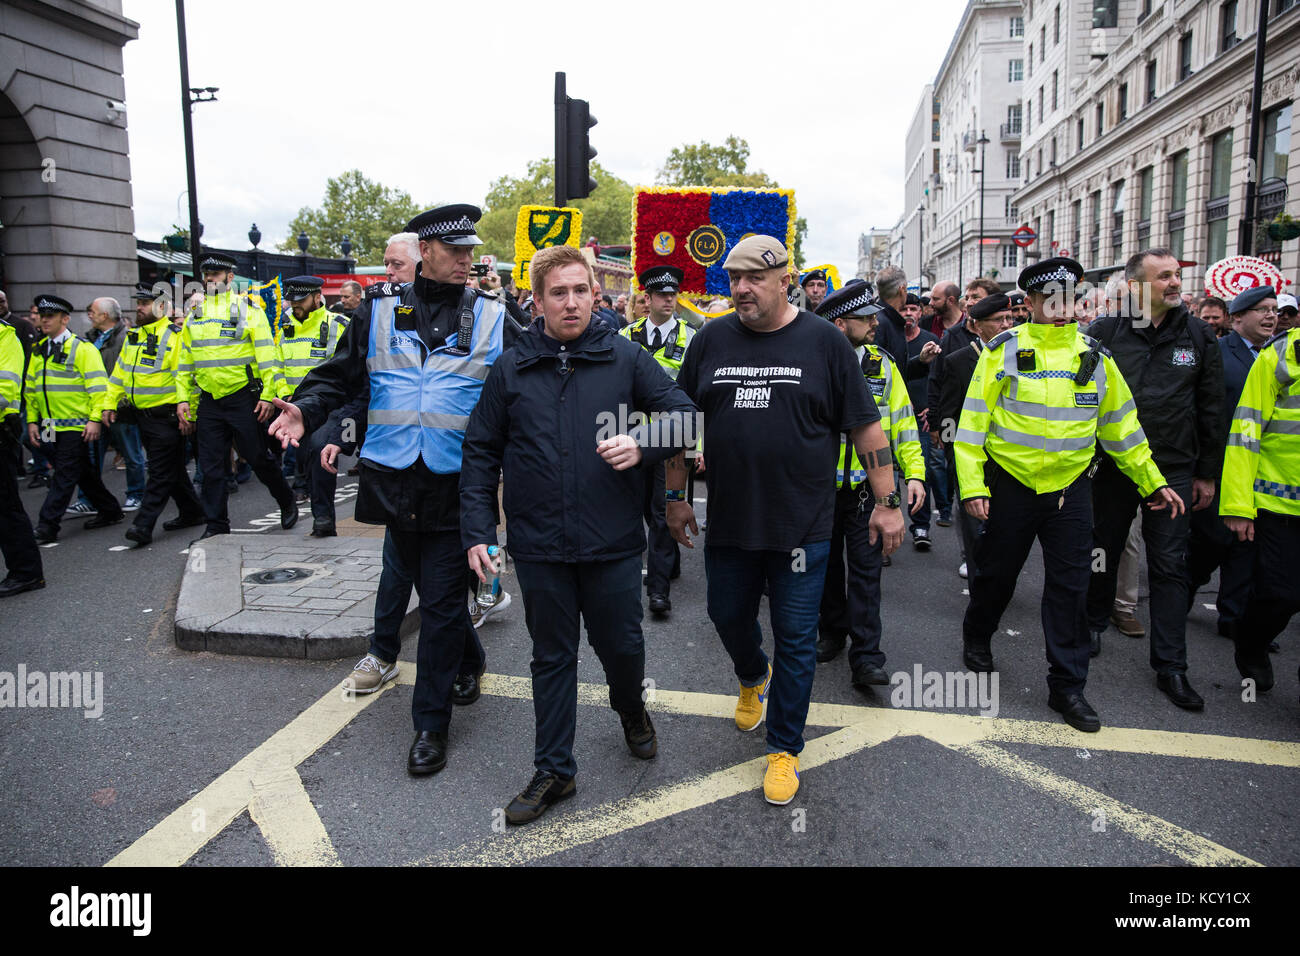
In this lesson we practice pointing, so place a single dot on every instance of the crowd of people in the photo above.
(1094, 422)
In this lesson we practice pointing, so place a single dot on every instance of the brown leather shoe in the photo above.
(1126, 623)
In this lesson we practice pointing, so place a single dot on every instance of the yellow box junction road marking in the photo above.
(266, 782)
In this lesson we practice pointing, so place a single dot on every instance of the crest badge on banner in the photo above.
(540, 227)
(694, 229)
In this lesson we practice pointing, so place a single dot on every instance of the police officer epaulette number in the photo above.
(1003, 337)
(382, 290)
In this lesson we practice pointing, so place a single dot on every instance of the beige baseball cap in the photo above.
(756, 253)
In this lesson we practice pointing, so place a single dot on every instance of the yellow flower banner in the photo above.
(540, 227)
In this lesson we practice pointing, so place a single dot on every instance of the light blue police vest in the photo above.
(423, 408)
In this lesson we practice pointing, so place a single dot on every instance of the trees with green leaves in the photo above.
(365, 211)
(704, 164)
(606, 213)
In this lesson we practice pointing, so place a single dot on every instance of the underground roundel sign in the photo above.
(1024, 237)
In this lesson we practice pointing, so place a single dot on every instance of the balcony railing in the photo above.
(1009, 133)
(968, 140)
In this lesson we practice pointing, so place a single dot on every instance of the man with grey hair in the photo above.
(891, 290)
(350, 297)
(108, 333)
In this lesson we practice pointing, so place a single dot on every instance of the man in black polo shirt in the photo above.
(777, 387)
(1175, 369)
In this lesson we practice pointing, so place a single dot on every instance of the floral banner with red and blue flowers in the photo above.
(695, 228)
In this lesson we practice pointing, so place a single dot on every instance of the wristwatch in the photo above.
(891, 500)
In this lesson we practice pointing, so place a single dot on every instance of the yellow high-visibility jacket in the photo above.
(1261, 467)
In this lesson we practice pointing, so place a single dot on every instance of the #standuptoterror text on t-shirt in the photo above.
(774, 404)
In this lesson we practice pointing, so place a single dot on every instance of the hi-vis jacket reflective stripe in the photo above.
(70, 393)
(419, 407)
(1261, 468)
(224, 347)
(11, 371)
(301, 347)
(671, 351)
(1024, 411)
(897, 418)
(145, 373)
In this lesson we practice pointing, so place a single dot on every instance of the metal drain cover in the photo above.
(278, 576)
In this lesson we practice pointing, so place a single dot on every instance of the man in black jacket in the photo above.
(1175, 370)
(555, 413)
(422, 357)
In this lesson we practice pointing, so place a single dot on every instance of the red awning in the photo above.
(334, 283)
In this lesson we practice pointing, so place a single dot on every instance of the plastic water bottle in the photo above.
(489, 589)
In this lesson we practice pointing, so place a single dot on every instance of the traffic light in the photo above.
(573, 151)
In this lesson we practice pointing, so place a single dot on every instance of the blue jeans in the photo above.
(735, 585)
(126, 439)
(937, 477)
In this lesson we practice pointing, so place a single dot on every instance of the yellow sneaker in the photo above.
(749, 709)
(781, 781)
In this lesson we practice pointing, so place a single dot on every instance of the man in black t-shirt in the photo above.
(777, 387)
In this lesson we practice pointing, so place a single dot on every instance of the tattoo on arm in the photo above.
(879, 458)
(677, 463)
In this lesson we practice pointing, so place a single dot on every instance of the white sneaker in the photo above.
(132, 503)
(477, 614)
(961, 572)
(369, 675)
(79, 509)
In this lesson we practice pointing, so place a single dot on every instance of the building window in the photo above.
(1030, 64)
(1105, 14)
(1117, 224)
(1094, 234)
(1151, 81)
(1015, 71)
(1123, 102)
(1184, 56)
(1056, 79)
(1177, 202)
(1010, 255)
(1079, 137)
(1009, 209)
(1056, 25)
(1040, 161)
(1013, 118)
(1101, 114)
(1146, 10)
(1040, 104)
(1053, 153)
(1077, 218)
(1013, 165)
(1277, 144)
(1042, 43)
(1145, 179)
(1017, 26)
(1216, 209)
(1282, 6)
(1227, 28)
(1050, 237)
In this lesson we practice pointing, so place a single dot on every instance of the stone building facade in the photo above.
(65, 175)
(1144, 130)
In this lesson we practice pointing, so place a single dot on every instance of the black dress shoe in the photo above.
(210, 534)
(1178, 690)
(467, 688)
(323, 529)
(139, 535)
(428, 753)
(38, 481)
(181, 521)
(104, 520)
(544, 790)
(828, 648)
(46, 536)
(11, 585)
(659, 604)
(289, 516)
(868, 674)
(1095, 646)
(1254, 666)
(676, 572)
(978, 659)
(1078, 713)
(640, 734)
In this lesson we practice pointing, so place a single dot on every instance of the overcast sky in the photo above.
(441, 99)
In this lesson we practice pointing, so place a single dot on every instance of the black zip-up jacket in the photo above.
(404, 499)
(544, 407)
(1176, 377)
(958, 370)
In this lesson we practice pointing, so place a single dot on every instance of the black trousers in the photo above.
(851, 603)
(320, 483)
(1275, 598)
(1115, 500)
(436, 563)
(223, 422)
(70, 457)
(22, 557)
(606, 595)
(661, 550)
(1211, 546)
(1062, 523)
(164, 449)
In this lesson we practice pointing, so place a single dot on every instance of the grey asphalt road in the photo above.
(78, 791)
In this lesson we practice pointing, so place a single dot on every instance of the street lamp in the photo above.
(303, 242)
(920, 246)
(254, 235)
(190, 96)
(982, 141)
